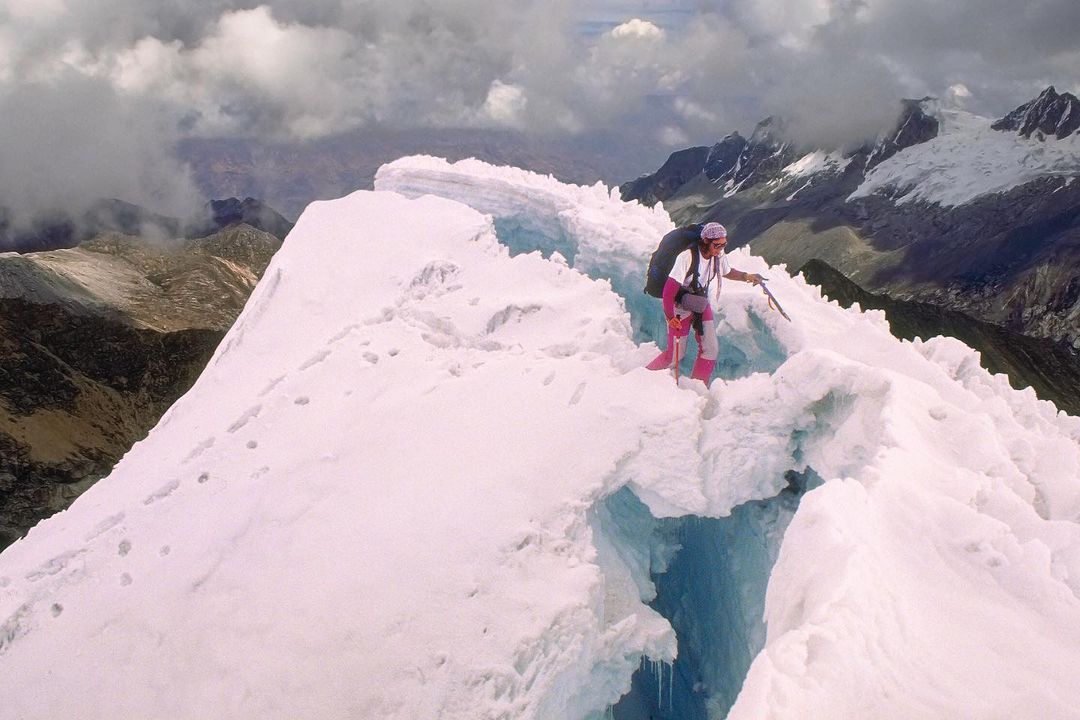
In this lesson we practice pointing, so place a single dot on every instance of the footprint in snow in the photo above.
(302, 400)
(252, 444)
(124, 548)
(104, 526)
(203, 477)
(54, 565)
(315, 359)
(200, 449)
(272, 384)
(578, 394)
(125, 580)
(344, 333)
(162, 492)
(251, 412)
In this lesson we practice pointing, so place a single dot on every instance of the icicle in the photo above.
(671, 687)
(660, 684)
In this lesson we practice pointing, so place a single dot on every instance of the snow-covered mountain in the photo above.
(426, 475)
(948, 208)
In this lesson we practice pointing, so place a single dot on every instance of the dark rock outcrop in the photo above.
(913, 127)
(1049, 115)
(724, 156)
(673, 174)
(233, 211)
(766, 153)
(733, 164)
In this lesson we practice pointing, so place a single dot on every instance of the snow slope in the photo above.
(400, 491)
(968, 159)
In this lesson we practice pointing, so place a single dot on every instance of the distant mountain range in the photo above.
(97, 341)
(949, 210)
(290, 175)
(62, 229)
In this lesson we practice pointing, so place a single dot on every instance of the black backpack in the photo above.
(663, 258)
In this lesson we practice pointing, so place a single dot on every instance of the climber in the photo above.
(686, 296)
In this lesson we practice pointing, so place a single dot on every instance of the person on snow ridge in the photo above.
(686, 300)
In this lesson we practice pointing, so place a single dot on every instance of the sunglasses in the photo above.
(717, 244)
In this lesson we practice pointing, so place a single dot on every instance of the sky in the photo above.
(96, 93)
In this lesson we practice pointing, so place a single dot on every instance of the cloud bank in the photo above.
(99, 93)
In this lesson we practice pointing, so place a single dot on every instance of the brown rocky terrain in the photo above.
(96, 342)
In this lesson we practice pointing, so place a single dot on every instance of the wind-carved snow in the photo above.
(591, 227)
(451, 490)
(968, 159)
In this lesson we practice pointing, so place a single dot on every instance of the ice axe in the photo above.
(773, 302)
(676, 337)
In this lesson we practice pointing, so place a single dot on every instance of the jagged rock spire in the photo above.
(1050, 114)
(914, 126)
(659, 186)
(724, 155)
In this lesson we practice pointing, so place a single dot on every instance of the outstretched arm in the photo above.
(744, 277)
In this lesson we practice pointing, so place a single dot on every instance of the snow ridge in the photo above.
(389, 493)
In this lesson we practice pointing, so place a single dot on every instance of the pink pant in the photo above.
(708, 347)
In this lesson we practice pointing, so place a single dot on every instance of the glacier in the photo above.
(426, 475)
(967, 160)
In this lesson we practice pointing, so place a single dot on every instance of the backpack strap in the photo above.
(691, 275)
(695, 260)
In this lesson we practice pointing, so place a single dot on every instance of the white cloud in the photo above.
(505, 104)
(957, 95)
(638, 29)
(149, 64)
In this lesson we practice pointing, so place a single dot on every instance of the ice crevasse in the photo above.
(400, 489)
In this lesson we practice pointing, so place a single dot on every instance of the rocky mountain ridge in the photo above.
(1049, 115)
(62, 229)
